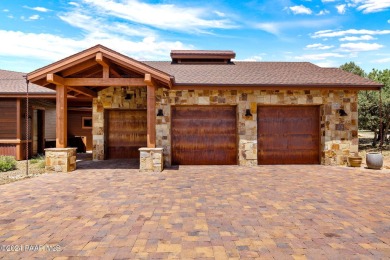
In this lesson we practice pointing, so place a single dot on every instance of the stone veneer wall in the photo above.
(112, 98)
(338, 134)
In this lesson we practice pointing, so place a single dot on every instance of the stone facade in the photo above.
(338, 134)
(151, 160)
(112, 98)
(60, 159)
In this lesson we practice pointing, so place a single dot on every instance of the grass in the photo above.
(39, 160)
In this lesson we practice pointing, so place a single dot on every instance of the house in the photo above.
(202, 107)
(41, 117)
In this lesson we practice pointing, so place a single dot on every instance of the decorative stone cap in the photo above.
(60, 149)
(150, 149)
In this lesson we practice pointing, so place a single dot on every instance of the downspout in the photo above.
(27, 124)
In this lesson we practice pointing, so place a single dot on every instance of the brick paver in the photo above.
(208, 212)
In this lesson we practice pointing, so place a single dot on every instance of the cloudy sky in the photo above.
(34, 33)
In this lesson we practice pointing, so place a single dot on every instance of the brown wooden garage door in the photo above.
(204, 135)
(126, 133)
(288, 135)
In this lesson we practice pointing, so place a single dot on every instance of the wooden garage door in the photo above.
(288, 135)
(126, 133)
(204, 135)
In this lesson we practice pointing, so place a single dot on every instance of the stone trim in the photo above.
(151, 160)
(60, 159)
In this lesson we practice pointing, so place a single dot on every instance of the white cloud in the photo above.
(38, 9)
(331, 33)
(300, 9)
(163, 16)
(277, 27)
(5, 10)
(384, 60)
(360, 46)
(323, 12)
(328, 1)
(388, 21)
(254, 58)
(98, 26)
(30, 18)
(220, 14)
(372, 6)
(51, 47)
(319, 46)
(341, 8)
(319, 56)
(358, 38)
(34, 17)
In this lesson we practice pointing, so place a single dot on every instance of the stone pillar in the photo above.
(151, 159)
(60, 159)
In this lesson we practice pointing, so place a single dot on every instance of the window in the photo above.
(86, 123)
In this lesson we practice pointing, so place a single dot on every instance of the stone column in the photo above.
(151, 160)
(60, 159)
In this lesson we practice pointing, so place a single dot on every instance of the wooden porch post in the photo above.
(18, 130)
(61, 117)
(151, 112)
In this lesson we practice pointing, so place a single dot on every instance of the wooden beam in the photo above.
(79, 68)
(61, 117)
(102, 61)
(113, 71)
(99, 82)
(55, 79)
(151, 116)
(83, 90)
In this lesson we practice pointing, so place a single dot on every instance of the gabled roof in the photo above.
(14, 83)
(262, 74)
(89, 54)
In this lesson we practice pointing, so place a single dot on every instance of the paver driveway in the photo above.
(220, 212)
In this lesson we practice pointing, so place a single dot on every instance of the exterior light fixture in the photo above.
(160, 112)
(342, 112)
(128, 96)
(248, 112)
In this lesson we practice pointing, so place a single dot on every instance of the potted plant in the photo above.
(355, 160)
(374, 160)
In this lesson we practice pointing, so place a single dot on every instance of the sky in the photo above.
(328, 33)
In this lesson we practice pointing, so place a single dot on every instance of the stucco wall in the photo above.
(338, 134)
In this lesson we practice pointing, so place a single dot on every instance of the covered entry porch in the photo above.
(124, 110)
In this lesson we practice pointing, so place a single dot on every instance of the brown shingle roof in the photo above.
(261, 74)
(12, 82)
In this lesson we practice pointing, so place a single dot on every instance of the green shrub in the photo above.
(40, 160)
(7, 163)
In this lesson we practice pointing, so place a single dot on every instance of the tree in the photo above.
(369, 105)
(353, 68)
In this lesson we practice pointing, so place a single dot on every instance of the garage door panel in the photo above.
(126, 133)
(290, 137)
(203, 135)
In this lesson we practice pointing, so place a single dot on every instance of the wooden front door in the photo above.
(288, 135)
(126, 133)
(204, 135)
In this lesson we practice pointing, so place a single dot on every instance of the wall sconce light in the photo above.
(248, 112)
(128, 96)
(160, 112)
(342, 112)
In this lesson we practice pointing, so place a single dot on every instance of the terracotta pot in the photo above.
(374, 160)
(355, 161)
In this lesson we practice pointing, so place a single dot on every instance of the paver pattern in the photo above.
(202, 212)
